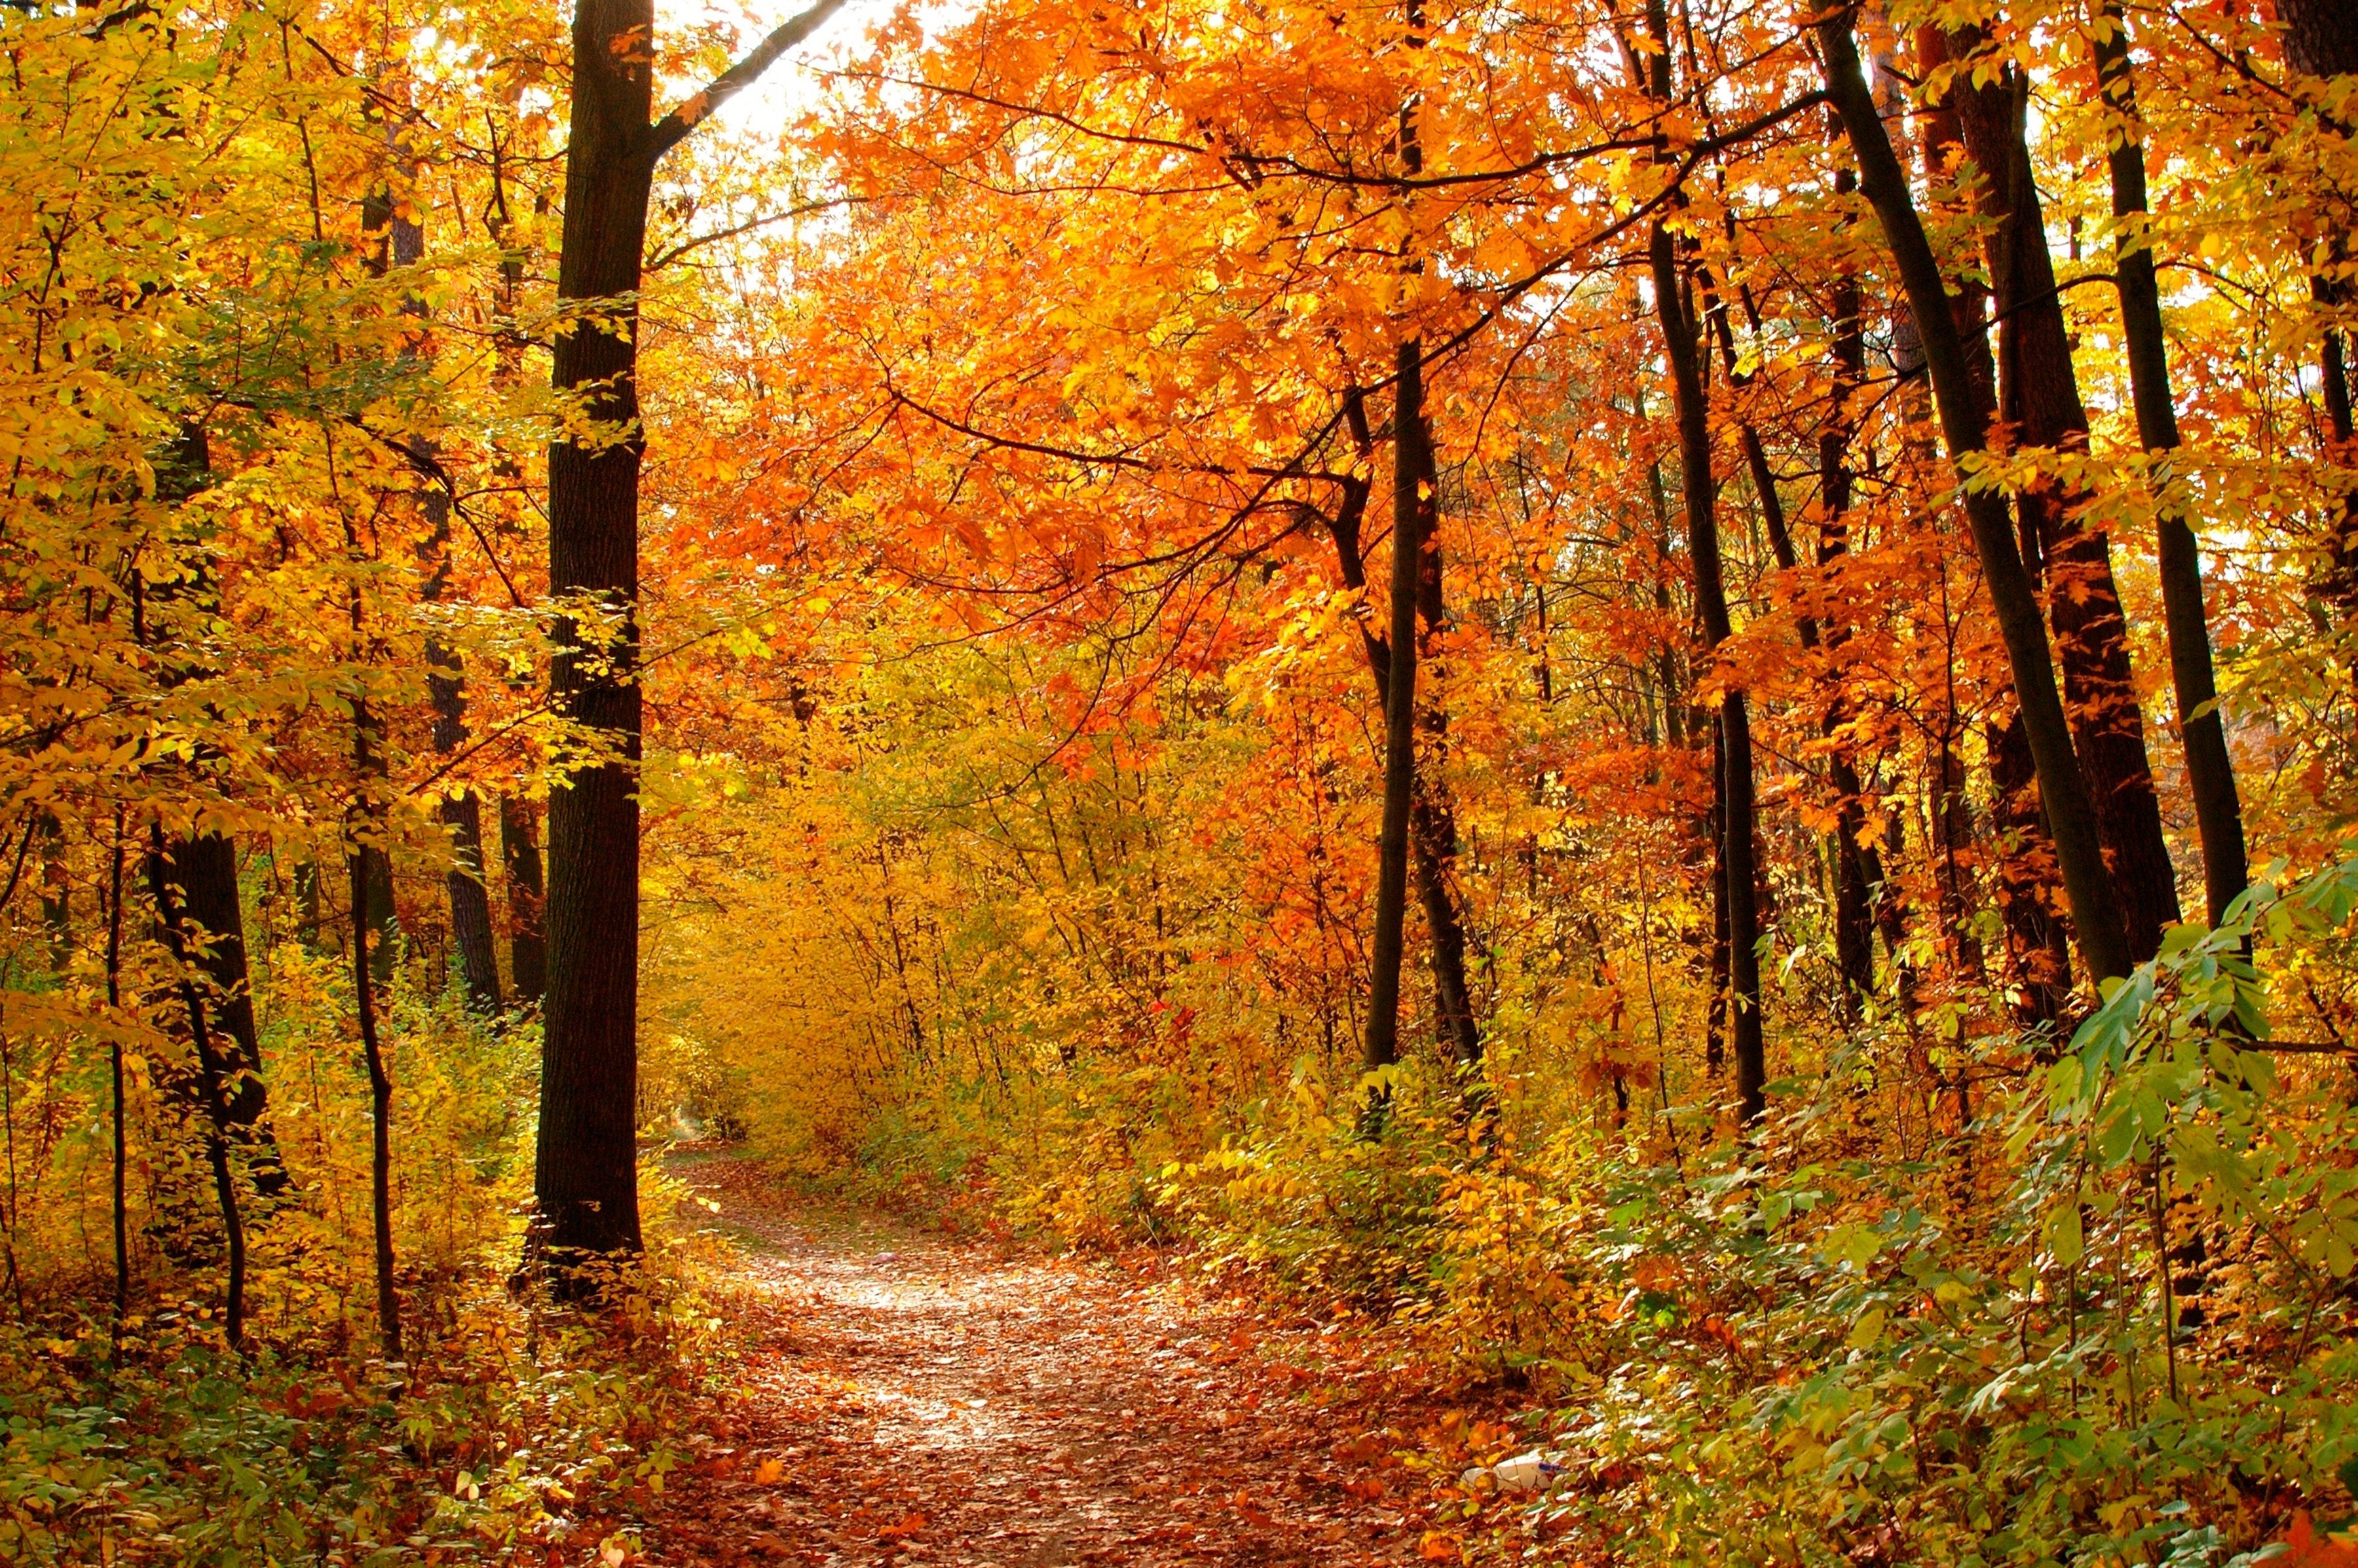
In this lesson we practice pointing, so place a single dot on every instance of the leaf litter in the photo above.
(914, 1397)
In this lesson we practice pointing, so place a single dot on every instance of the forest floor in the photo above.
(910, 1396)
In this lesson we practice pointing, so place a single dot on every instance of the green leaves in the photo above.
(2066, 1240)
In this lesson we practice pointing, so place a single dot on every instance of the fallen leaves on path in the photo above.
(916, 1398)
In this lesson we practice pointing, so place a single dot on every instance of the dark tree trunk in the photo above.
(2210, 772)
(114, 1069)
(1683, 350)
(2038, 961)
(1857, 868)
(520, 851)
(388, 1305)
(1432, 816)
(200, 873)
(1714, 1024)
(2039, 966)
(1382, 1045)
(214, 1085)
(56, 893)
(1432, 813)
(2071, 815)
(586, 1175)
(586, 1171)
(462, 814)
(2039, 396)
(2321, 37)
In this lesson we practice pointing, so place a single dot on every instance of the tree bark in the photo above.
(201, 872)
(1682, 347)
(388, 1305)
(586, 1169)
(2039, 394)
(1431, 812)
(2210, 770)
(1382, 1044)
(520, 850)
(214, 1085)
(1432, 815)
(2071, 815)
(461, 813)
(586, 1173)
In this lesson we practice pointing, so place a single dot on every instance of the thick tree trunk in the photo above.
(200, 872)
(586, 1175)
(214, 1085)
(2039, 394)
(2210, 770)
(2321, 37)
(2071, 815)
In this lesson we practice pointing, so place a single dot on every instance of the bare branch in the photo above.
(673, 127)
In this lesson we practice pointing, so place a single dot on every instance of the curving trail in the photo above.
(923, 1399)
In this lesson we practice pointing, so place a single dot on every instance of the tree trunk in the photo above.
(114, 1070)
(1683, 350)
(586, 1175)
(2321, 37)
(1432, 816)
(2210, 770)
(2039, 396)
(2071, 815)
(388, 1305)
(1857, 866)
(462, 814)
(586, 1171)
(1433, 825)
(2038, 960)
(528, 961)
(1382, 1045)
(213, 1084)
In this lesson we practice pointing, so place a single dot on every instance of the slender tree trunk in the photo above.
(1382, 1045)
(2070, 813)
(1683, 350)
(1857, 868)
(461, 813)
(2210, 772)
(56, 893)
(2039, 394)
(527, 963)
(1714, 1026)
(1432, 816)
(114, 1068)
(1432, 813)
(388, 1305)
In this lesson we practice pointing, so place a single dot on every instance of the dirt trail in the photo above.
(926, 1399)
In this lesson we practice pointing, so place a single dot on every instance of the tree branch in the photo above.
(673, 127)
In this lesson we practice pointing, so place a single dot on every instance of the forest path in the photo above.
(922, 1399)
